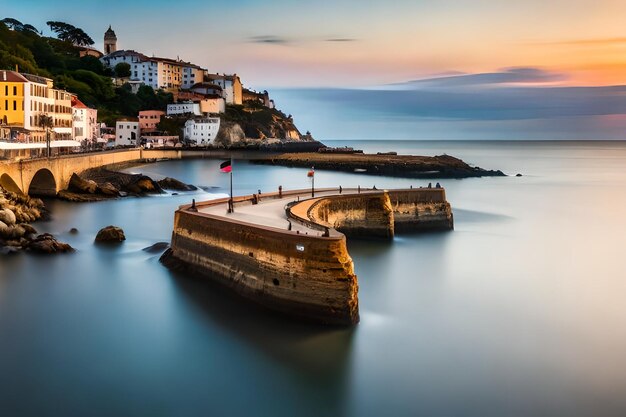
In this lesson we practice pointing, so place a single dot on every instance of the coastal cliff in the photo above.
(254, 123)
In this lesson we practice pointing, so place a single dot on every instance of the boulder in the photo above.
(79, 185)
(28, 229)
(174, 184)
(7, 217)
(74, 231)
(109, 189)
(47, 244)
(110, 234)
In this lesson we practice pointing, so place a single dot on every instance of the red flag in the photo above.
(226, 166)
(311, 173)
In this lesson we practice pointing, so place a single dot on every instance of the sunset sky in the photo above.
(356, 43)
(343, 68)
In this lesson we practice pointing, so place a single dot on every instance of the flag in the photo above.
(226, 166)
(311, 173)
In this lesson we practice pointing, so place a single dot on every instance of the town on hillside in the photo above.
(40, 118)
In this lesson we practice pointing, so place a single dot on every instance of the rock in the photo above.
(143, 184)
(110, 234)
(28, 229)
(7, 217)
(518, 175)
(80, 197)
(47, 244)
(174, 184)
(79, 185)
(157, 247)
(73, 231)
(11, 232)
(109, 189)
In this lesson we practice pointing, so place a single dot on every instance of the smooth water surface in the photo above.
(519, 311)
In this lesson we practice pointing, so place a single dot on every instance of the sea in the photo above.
(519, 311)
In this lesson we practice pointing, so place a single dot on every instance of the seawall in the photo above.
(303, 269)
(306, 276)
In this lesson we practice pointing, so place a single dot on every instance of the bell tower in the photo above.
(110, 41)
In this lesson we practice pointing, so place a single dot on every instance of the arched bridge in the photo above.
(47, 177)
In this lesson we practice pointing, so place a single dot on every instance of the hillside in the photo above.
(22, 47)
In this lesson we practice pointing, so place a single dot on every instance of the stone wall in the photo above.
(355, 215)
(421, 209)
(306, 276)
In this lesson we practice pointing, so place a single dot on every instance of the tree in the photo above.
(122, 70)
(46, 122)
(70, 33)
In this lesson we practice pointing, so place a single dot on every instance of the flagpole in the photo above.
(232, 203)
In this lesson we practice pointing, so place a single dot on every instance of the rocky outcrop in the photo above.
(16, 211)
(110, 234)
(409, 166)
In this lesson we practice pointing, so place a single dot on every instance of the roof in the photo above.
(221, 76)
(12, 77)
(78, 104)
(206, 85)
(110, 33)
(125, 52)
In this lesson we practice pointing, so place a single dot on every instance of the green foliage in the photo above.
(122, 70)
(70, 33)
(172, 125)
(84, 76)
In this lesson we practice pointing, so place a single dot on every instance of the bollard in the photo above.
(340, 189)
(359, 189)
(193, 205)
(280, 191)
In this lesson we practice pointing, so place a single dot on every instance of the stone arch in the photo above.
(43, 183)
(8, 184)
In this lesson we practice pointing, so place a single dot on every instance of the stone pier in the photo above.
(288, 251)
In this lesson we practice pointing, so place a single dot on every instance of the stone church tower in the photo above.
(110, 41)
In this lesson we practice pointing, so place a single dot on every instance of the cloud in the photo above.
(341, 40)
(510, 75)
(276, 40)
(519, 112)
(283, 40)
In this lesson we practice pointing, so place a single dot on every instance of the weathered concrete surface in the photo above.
(307, 276)
(286, 254)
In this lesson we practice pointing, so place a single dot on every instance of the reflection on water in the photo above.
(518, 311)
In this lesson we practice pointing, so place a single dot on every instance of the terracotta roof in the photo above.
(78, 104)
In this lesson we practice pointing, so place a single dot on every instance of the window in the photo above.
(14, 90)
(14, 105)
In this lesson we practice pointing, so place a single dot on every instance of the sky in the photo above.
(542, 68)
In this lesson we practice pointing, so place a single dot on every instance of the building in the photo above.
(110, 41)
(192, 75)
(231, 87)
(212, 105)
(62, 115)
(159, 73)
(262, 98)
(149, 119)
(184, 108)
(202, 132)
(207, 89)
(127, 133)
(25, 98)
(84, 122)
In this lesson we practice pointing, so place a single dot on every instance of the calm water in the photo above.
(519, 311)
